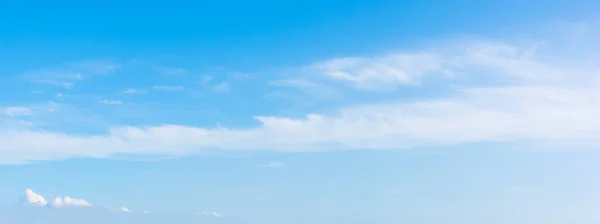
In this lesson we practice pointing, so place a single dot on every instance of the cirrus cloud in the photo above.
(527, 97)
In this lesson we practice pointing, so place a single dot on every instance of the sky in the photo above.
(298, 112)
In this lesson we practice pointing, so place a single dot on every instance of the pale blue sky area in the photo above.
(297, 112)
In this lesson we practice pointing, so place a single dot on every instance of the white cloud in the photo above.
(33, 198)
(213, 214)
(385, 71)
(111, 102)
(527, 98)
(273, 164)
(36, 199)
(168, 88)
(126, 210)
(70, 202)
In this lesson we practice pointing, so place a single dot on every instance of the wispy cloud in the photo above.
(212, 214)
(385, 71)
(168, 88)
(15, 111)
(273, 164)
(132, 91)
(533, 99)
(222, 87)
(66, 75)
(112, 102)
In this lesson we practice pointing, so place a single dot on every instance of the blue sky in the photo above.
(299, 112)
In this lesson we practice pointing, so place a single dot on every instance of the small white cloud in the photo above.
(168, 88)
(130, 91)
(273, 164)
(70, 202)
(112, 102)
(34, 198)
(126, 210)
(146, 212)
(213, 214)
(59, 95)
(383, 72)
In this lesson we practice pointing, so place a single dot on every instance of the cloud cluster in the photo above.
(490, 92)
(35, 199)
(70, 202)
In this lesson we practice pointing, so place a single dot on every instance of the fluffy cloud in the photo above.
(70, 202)
(126, 210)
(497, 92)
(35, 199)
